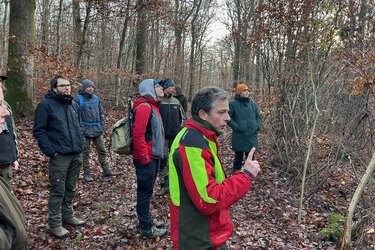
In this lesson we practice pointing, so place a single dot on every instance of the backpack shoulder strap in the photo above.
(80, 101)
(96, 98)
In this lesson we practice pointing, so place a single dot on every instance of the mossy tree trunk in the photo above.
(20, 61)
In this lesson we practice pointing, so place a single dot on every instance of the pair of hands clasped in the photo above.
(252, 166)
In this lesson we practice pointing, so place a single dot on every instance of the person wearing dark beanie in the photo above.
(173, 116)
(245, 123)
(92, 120)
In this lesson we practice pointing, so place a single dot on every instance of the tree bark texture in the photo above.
(20, 61)
(141, 39)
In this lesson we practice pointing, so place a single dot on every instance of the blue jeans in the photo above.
(146, 176)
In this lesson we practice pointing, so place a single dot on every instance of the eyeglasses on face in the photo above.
(157, 86)
(63, 86)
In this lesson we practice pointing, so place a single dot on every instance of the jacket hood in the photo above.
(146, 88)
(51, 94)
(242, 99)
(58, 97)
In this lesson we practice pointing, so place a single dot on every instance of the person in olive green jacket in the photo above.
(245, 122)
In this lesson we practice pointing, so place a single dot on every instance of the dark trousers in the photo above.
(238, 159)
(164, 163)
(63, 173)
(146, 176)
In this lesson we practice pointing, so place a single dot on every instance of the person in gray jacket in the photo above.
(92, 120)
(148, 141)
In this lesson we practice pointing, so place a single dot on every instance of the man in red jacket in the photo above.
(201, 193)
(148, 143)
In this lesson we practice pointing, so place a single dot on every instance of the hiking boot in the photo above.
(153, 232)
(158, 223)
(109, 173)
(88, 178)
(162, 191)
(59, 232)
(74, 222)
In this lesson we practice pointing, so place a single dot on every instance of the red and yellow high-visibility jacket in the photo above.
(201, 194)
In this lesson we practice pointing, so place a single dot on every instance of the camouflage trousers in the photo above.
(100, 148)
(6, 173)
(164, 163)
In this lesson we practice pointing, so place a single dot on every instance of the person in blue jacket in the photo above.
(245, 123)
(58, 131)
(92, 120)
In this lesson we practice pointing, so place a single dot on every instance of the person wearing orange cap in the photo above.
(245, 123)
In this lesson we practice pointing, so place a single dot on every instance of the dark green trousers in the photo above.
(63, 175)
(100, 148)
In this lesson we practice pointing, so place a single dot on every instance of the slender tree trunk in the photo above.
(83, 38)
(20, 61)
(237, 45)
(77, 26)
(45, 25)
(197, 3)
(141, 38)
(346, 236)
(192, 63)
(58, 32)
(120, 57)
(4, 28)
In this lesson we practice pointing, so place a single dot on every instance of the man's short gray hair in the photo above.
(204, 99)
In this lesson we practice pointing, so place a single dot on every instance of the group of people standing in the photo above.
(183, 152)
(201, 192)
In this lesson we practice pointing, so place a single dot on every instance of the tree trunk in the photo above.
(4, 28)
(141, 38)
(197, 4)
(83, 38)
(237, 46)
(45, 25)
(120, 57)
(77, 26)
(20, 61)
(346, 236)
(58, 32)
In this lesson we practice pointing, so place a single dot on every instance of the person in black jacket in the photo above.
(180, 97)
(8, 143)
(92, 120)
(58, 132)
(173, 116)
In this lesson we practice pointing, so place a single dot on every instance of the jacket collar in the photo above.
(242, 99)
(204, 127)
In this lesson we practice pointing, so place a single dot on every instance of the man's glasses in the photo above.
(157, 86)
(63, 86)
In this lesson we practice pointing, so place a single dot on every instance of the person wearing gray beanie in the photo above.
(86, 83)
(92, 120)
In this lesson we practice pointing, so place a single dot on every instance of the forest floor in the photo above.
(266, 218)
